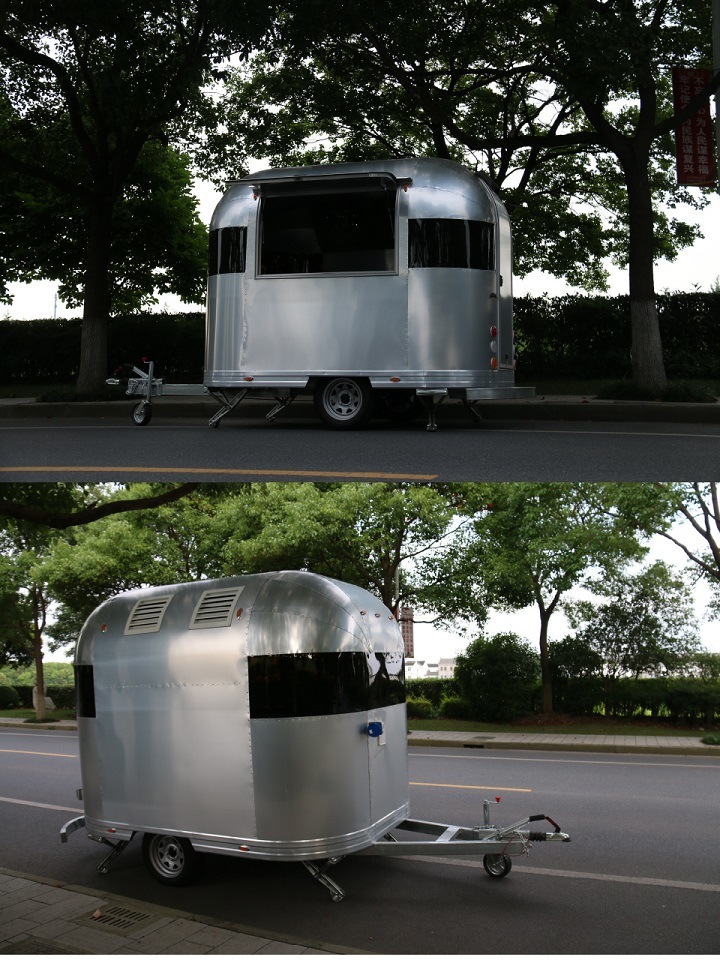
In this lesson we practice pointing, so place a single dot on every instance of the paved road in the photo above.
(640, 876)
(245, 450)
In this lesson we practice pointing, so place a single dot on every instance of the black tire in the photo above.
(497, 865)
(344, 403)
(171, 860)
(142, 413)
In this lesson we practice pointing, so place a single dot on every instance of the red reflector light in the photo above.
(248, 379)
(394, 379)
(493, 331)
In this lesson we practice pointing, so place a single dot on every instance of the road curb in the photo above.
(571, 409)
(579, 746)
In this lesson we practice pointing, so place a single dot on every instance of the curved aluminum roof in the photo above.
(436, 188)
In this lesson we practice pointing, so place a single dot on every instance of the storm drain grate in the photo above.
(31, 945)
(116, 917)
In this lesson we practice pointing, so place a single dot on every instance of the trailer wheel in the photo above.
(142, 413)
(343, 402)
(171, 860)
(497, 865)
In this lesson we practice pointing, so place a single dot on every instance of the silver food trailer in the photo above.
(260, 716)
(375, 287)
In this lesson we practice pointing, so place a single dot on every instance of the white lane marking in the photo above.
(44, 806)
(578, 875)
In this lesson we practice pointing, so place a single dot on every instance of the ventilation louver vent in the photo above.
(146, 616)
(215, 608)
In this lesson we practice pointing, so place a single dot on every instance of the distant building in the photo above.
(421, 669)
(405, 619)
(446, 668)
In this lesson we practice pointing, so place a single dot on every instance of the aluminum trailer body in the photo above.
(236, 713)
(396, 274)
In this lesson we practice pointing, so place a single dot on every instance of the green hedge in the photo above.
(583, 337)
(48, 351)
(433, 689)
(9, 697)
(575, 336)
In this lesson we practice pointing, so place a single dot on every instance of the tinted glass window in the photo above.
(349, 232)
(467, 244)
(317, 684)
(227, 250)
(84, 690)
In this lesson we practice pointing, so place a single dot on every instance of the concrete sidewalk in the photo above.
(39, 916)
(680, 746)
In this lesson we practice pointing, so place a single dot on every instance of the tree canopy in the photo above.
(451, 551)
(92, 97)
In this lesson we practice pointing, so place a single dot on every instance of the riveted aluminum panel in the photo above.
(323, 777)
(388, 762)
(450, 315)
(325, 324)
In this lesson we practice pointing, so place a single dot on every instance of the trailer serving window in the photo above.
(322, 684)
(346, 227)
(468, 244)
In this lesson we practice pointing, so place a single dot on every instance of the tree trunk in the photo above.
(38, 625)
(547, 697)
(648, 370)
(96, 306)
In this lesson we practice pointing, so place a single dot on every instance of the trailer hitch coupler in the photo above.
(541, 816)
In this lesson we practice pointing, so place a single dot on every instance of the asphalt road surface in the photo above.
(641, 875)
(113, 449)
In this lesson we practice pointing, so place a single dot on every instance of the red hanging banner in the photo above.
(694, 138)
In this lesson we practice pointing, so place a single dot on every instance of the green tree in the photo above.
(24, 600)
(686, 515)
(646, 626)
(369, 534)
(158, 244)
(497, 676)
(62, 505)
(176, 541)
(554, 102)
(362, 533)
(34, 559)
(92, 93)
(529, 544)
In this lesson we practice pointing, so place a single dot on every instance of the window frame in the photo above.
(271, 190)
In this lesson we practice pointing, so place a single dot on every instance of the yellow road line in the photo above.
(230, 471)
(38, 753)
(465, 786)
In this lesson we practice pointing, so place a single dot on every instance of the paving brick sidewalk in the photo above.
(39, 917)
(587, 742)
